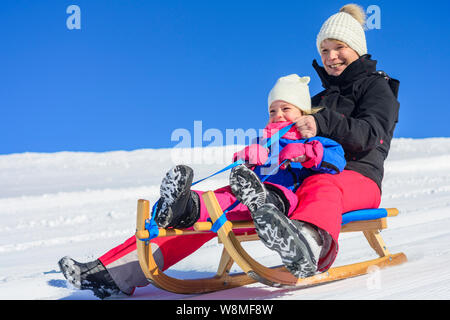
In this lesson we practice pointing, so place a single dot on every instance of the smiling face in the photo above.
(282, 111)
(336, 56)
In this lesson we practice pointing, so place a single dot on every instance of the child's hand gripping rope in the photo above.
(309, 154)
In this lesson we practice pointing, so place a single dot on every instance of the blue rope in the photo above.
(231, 166)
(222, 219)
(280, 133)
(151, 226)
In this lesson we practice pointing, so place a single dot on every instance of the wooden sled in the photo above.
(233, 252)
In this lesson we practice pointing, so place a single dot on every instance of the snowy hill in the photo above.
(83, 204)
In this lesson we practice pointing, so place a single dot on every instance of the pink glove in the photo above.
(253, 154)
(309, 154)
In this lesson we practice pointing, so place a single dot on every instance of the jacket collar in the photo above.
(356, 70)
(272, 128)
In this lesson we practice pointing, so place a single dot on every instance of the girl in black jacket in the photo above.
(360, 112)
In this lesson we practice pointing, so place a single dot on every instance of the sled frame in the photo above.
(233, 252)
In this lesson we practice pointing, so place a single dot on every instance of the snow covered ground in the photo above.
(82, 204)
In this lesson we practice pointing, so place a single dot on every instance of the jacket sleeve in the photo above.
(333, 159)
(371, 122)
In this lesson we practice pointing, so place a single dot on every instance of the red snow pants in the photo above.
(321, 200)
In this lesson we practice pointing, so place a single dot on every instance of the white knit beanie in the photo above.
(294, 90)
(346, 26)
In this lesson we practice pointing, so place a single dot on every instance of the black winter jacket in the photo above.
(360, 112)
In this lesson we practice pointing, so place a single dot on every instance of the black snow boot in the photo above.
(249, 190)
(298, 243)
(178, 207)
(89, 276)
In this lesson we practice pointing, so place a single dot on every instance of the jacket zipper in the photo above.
(294, 177)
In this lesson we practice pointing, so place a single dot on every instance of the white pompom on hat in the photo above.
(347, 26)
(294, 90)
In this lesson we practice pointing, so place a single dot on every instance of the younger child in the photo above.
(299, 244)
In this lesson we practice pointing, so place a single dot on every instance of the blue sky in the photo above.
(138, 70)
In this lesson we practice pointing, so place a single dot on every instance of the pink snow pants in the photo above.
(320, 200)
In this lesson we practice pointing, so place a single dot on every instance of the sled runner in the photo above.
(369, 221)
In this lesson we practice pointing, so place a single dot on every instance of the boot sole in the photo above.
(247, 187)
(70, 271)
(173, 191)
(279, 234)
